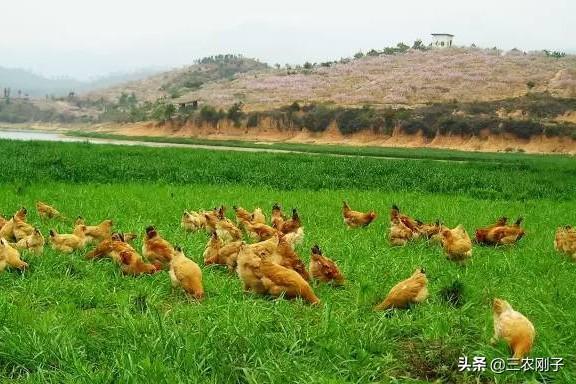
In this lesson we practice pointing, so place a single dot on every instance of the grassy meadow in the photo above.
(71, 320)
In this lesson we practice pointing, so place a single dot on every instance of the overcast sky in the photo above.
(87, 38)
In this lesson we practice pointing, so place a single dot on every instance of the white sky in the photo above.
(87, 38)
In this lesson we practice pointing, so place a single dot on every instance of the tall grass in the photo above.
(70, 320)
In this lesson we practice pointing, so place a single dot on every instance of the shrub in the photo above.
(235, 113)
(209, 114)
(355, 120)
(253, 120)
(412, 127)
(318, 118)
(523, 129)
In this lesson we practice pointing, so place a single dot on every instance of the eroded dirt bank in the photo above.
(270, 131)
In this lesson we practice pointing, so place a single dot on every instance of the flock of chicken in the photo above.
(269, 264)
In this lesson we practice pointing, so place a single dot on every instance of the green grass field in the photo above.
(70, 320)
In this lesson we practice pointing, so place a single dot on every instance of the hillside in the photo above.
(414, 77)
(183, 81)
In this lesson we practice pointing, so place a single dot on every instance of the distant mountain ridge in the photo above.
(34, 85)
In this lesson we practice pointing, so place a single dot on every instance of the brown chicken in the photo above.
(291, 225)
(34, 243)
(7, 230)
(355, 219)
(565, 241)
(216, 252)
(187, 274)
(258, 231)
(430, 231)
(10, 257)
(212, 219)
(155, 248)
(278, 216)
(96, 232)
(242, 214)
(68, 243)
(410, 291)
(410, 223)
(131, 264)
(323, 269)
(112, 248)
(513, 327)
(289, 258)
(456, 244)
(2, 221)
(47, 212)
(259, 274)
(400, 234)
(22, 229)
(500, 233)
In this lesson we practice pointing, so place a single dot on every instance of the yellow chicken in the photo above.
(68, 243)
(355, 219)
(187, 274)
(193, 221)
(45, 211)
(456, 243)
(34, 243)
(410, 291)
(565, 241)
(513, 327)
(10, 257)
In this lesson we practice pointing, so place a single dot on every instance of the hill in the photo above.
(37, 86)
(378, 79)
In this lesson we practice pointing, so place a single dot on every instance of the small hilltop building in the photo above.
(442, 40)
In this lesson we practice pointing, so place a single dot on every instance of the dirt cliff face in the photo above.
(270, 131)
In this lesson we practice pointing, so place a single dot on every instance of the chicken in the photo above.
(323, 269)
(47, 212)
(258, 217)
(68, 243)
(242, 215)
(430, 231)
(187, 274)
(216, 252)
(258, 231)
(212, 219)
(400, 234)
(21, 228)
(291, 225)
(267, 247)
(193, 221)
(278, 217)
(410, 223)
(112, 248)
(131, 264)
(7, 230)
(2, 221)
(500, 233)
(410, 291)
(155, 248)
(289, 258)
(96, 232)
(295, 238)
(227, 231)
(513, 327)
(565, 241)
(34, 243)
(456, 243)
(261, 275)
(355, 219)
(10, 256)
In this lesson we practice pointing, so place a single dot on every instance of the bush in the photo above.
(523, 129)
(412, 127)
(209, 114)
(355, 120)
(253, 120)
(318, 118)
(235, 113)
